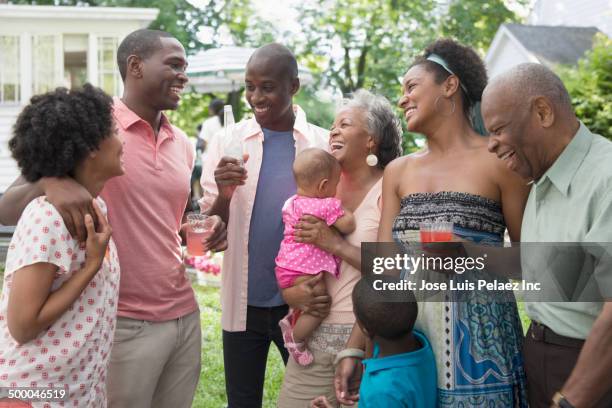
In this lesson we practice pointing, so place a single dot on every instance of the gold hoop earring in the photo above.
(453, 106)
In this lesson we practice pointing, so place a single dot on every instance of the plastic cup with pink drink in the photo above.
(436, 231)
(199, 228)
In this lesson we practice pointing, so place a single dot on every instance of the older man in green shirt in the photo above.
(568, 349)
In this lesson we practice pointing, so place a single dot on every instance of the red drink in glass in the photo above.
(199, 228)
(436, 231)
(195, 246)
(441, 236)
(425, 236)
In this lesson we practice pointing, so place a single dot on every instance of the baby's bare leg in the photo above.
(306, 323)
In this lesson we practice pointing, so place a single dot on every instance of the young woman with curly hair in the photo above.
(59, 300)
(477, 341)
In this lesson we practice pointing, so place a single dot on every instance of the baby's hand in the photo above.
(346, 224)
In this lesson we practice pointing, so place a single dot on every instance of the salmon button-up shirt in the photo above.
(234, 277)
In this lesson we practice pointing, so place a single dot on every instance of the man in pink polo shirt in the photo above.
(155, 359)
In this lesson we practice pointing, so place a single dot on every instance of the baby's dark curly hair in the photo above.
(464, 62)
(57, 130)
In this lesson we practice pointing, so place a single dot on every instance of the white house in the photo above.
(42, 47)
(583, 13)
(515, 44)
(559, 32)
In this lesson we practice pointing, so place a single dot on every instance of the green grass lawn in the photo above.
(211, 389)
(526, 321)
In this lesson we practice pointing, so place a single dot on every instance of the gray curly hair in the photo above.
(382, 124)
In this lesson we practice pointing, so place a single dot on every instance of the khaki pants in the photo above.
(155, 364)
(303, 384)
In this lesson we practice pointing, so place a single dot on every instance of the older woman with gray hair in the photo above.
(364, 138)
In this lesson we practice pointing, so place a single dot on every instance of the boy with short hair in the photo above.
(402, 371)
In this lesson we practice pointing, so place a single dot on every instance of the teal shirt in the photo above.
(402, 380)
(572, 202)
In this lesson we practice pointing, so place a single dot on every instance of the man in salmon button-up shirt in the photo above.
(251, 301)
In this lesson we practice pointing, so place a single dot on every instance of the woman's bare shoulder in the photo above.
(494, 165)
(404, 162)
(498, 172)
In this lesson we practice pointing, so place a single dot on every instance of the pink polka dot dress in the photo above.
(295, 259)
(74, 352)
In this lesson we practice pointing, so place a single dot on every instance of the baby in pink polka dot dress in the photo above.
(58, 304)
(317, 174)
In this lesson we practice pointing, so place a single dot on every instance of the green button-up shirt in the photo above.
(572, 202)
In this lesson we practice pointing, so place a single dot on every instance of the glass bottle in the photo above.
(234, 146)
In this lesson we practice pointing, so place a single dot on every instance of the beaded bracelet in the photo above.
(349, 352)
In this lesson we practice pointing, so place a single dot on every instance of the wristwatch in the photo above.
(560, 400)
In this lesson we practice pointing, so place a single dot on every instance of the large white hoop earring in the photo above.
(453, 106)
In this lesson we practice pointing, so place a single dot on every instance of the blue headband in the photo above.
(475, 115)
(440, 61)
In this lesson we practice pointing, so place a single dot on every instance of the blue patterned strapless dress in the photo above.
(477, 342)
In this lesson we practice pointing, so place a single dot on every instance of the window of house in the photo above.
(43, 64)
(9, 74)
(109, 79)
(75, 60)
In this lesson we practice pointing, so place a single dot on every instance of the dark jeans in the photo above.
(245, 355)
(549, 360)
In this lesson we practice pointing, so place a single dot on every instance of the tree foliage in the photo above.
(239, 20)
(318, 112)
(347, 44)
(352, 44)
(245, 25)
(362, 44)
(475, 22)
(590, 86)
(192, 111)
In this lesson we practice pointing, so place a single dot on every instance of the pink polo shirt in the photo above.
(234, 278)
(145, 209)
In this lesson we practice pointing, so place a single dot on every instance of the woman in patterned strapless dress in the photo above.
(477, 342)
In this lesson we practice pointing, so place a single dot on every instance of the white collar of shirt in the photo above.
(252, 128)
